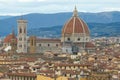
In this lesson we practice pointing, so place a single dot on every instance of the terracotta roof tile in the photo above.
(75, 25)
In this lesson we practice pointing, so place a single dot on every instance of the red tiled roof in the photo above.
(75, 25)
(72, 72)
(89, 45)
(63, 64)
(47, 71)
(22, 74)
(9, 37)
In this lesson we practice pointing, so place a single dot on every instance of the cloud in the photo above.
(14, 7)
(10, 14)
(3, 1)
(7, 1)
(25, 0)
(111, 9)
(41, 0)
(31, 0)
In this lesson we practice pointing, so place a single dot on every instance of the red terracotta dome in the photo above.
(9, 37)
(75, 25)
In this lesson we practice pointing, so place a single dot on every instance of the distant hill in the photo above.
(96, 29)
(5, 17)
(37, 20)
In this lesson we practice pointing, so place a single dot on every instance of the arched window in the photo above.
(39, 44)
(20, 30)
(32, 43)
(78, 39)
(68, 39)
(48, 45)
(24, 30)
(56, 45)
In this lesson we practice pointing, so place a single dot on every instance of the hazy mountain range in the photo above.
(96, 29)
(5, 17)
(100, 24)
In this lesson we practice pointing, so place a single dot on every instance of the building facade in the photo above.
(38, 45)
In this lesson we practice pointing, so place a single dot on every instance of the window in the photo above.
(34, 69)
(39, 44)
(74, 66)
(20, 39)
(86, 39)
(24, 30)
(68, 39)
(32, 43)
(78, 39)
(48, 45)
(65, 75)
(20, 45)
(57, 45)
(20, 30)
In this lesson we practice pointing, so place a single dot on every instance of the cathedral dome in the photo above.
(75, 25)
(9, 38)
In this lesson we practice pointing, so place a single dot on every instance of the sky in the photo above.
(20, 7)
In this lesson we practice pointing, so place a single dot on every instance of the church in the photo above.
(75, 37)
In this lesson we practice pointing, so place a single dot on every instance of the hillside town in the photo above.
(73, 56)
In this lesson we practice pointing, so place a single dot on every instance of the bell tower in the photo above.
(22, 36)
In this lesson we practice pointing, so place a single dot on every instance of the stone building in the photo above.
(38, 45)
(100, 76)
(22, 76)
(75, 35)
(75, 38)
